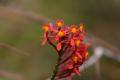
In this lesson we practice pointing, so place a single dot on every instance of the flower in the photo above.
(68, 41)
(73, 29)
(61, 33)
(46, 27)
(59, 23)
(75, 58)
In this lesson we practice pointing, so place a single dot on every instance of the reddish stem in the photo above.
(52, 45)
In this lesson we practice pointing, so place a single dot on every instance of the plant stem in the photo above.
(55, 70)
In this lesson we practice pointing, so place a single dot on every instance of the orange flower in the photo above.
(73, 29)
(59, 23)
(61, 33)
(46, 27)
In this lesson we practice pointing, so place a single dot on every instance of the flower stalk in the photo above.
(55, 70)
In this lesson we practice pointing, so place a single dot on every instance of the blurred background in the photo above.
(23, 58)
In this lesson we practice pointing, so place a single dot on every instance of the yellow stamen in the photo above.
(46, 28)
(81, 27)
(59, 23)
(61, 33)
(73, 29)
(75, 58)
(86, 55)
(77, 42)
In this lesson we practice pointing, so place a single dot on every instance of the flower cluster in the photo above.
(69, 42)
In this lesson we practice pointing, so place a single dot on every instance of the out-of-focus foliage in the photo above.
(100, 16)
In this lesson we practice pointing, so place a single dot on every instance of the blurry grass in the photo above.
(41, 58)
(3, 78)
(110, 69)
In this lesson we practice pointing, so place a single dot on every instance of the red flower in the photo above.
(69, 43)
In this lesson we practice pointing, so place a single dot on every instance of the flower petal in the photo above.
(44, 41)
(45, 35)
(76, 71)
(59, 46)
(72, 43)
(70, 66)
(81, 37)
(69, 77)
(56, 38)
(78, 54)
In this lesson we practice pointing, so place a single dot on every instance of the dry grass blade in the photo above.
(10, 75)
(12, 11)
(4, 45)
(105, 44)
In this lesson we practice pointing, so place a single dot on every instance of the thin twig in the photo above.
(99, 41)
(8, 46)
(48, 40)
(10, 75)
(55, 70)
(10, 11)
